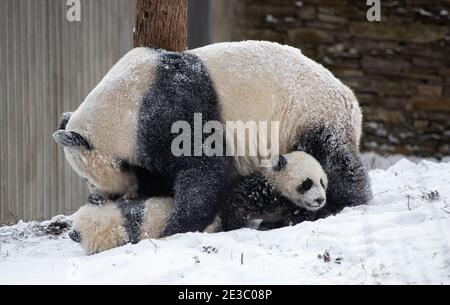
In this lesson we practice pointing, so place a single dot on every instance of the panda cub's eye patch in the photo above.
(305, 186)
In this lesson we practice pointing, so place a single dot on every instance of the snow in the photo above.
(373, 160)
(401, 237)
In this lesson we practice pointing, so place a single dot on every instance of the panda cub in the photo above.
(288, 192)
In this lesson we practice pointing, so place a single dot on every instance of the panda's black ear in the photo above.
(64, 120)
(71, 139)
(279, 163)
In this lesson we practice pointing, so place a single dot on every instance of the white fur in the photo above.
(100, 227)
(156, 213)
(265, 81)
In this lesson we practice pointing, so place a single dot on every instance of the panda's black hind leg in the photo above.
(348, 181)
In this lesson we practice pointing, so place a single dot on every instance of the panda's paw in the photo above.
(96, 199)
(168, 231)
(75, 236)
(173, 227)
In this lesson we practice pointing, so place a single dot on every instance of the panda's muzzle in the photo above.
(315, 205)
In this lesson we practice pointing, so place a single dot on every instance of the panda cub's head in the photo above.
(300, 178)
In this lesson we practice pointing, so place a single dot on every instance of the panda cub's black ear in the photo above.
(71, 139)
(64, 120)
(279, 163)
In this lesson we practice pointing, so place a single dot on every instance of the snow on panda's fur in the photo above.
(288, 192)
(119, 139)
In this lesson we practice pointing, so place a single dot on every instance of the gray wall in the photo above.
(48, 66)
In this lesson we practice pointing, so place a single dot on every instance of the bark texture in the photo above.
(161, 24)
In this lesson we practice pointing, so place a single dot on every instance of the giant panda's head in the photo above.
(105, 173)
(300, 178)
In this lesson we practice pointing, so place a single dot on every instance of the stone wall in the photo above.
(399, 67)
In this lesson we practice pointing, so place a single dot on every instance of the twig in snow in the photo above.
(325, 256)
(242, 258)
(196, 260)
(154, 245)
(445, 208)
(408, 197)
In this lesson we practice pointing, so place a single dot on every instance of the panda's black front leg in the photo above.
(348, 181)
(199, 190)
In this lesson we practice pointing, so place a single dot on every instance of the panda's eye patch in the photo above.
(306, 186)
(321, 183)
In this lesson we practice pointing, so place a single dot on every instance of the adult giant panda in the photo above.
(119, 139)
(288, 192)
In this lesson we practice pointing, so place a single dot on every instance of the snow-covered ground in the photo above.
(402, 237)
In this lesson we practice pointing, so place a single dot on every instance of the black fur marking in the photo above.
(64, 120)
(150, 185)
(133, 213)
(96, 199)
(305, 186)
(281, 163)
(181, 88)
(348, 181)
(75, 236)
(71, 139)
(254, 197)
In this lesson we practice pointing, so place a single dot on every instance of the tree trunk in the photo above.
(161, 24)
